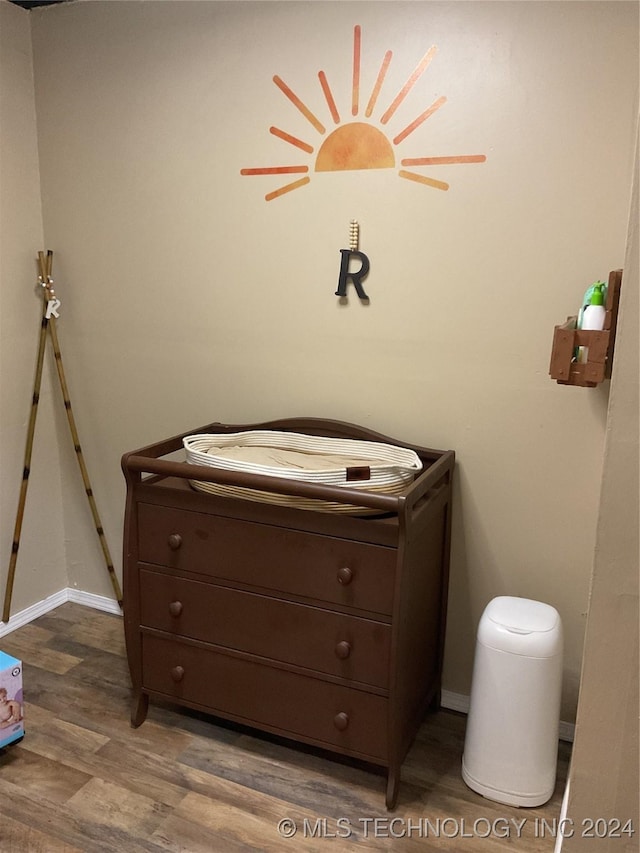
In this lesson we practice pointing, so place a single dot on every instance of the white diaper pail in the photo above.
(511, 742)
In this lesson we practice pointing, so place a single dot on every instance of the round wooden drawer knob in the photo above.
(175, 608)
(175, 541)
(177, 673)
(341, 721)
(343, 650)
(345, 576)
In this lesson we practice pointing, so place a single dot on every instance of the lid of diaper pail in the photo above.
(521, 626)
(522, 615)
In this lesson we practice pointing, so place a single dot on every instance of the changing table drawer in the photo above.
(355, 574)
(310, 637)
(353, 721)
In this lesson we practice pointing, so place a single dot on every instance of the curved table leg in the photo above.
(139, 708)
(393, 784)
(436, 701)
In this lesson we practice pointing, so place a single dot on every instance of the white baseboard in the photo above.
(563, 815)
(460, 702)
(97, 602)
(455, 701)
(452, 701)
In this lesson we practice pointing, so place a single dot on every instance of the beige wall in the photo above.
(188, 298)
(604, 775)
(40, 569)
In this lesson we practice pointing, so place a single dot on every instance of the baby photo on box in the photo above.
(11, 701)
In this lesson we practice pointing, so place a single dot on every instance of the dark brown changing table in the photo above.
(321, 627)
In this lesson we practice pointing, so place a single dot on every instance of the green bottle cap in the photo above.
(597, 297)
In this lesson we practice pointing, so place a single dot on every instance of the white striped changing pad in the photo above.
(370, 465)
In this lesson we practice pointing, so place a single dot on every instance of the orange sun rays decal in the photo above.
(356, 145)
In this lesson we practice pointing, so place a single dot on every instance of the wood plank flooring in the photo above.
(83, 781)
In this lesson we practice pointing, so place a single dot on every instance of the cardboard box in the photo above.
(11, 701)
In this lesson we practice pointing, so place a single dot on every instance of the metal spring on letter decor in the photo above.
(354, 235)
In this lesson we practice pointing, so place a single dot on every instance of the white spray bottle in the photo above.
(593, 317)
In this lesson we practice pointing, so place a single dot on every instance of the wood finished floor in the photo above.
(82, 780)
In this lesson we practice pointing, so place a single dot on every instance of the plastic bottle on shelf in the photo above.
(593, 317)
(594, 313)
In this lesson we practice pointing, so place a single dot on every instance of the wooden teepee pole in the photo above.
(27, 456)
(49, 322)
(78, 449)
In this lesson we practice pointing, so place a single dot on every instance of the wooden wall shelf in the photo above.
(566, 338)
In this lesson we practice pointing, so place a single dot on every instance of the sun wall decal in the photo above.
(357, 145)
